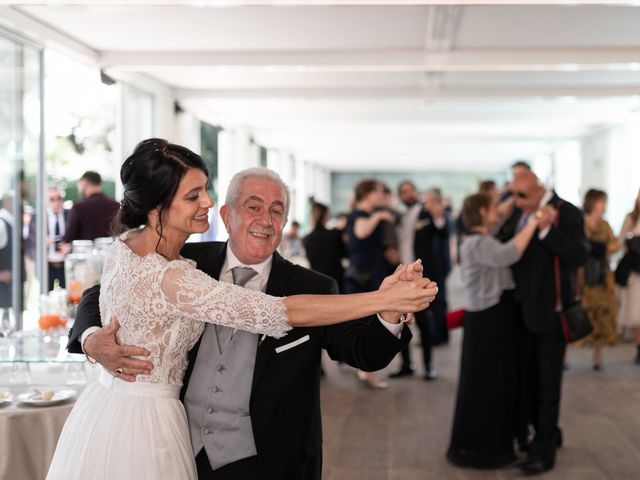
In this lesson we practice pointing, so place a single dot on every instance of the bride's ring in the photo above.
(119, 371)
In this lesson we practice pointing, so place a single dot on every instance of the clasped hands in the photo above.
(407, 273)
(545, 216)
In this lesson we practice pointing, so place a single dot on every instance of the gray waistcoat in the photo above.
(217, 398)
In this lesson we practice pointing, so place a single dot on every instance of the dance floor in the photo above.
(402, 433)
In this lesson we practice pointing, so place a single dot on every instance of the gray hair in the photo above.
(436, 193)
(235, 185)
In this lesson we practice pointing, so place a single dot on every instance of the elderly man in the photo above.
(253, 403)
(56, 228)
(536, 294)
(414, 232)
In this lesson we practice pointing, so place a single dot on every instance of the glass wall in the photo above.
(21, 180)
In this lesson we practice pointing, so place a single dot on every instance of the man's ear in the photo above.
(224, 214)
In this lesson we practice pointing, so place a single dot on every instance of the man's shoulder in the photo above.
(305, 280)
(191, 250)
(566, 208)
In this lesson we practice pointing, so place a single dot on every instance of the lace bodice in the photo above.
(163, 305)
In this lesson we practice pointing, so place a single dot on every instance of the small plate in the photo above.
(6, 400)
(58, 397)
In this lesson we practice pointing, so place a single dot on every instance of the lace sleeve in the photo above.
(192, 293)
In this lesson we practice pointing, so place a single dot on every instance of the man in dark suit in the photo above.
(432, 246)
(90, 217)
(274, 382)
(544, 343)
(417, 232)
(57, 218)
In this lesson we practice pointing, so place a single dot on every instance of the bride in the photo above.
(120, 430)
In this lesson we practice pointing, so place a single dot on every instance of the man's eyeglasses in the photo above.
(521, 195)
(55, 199)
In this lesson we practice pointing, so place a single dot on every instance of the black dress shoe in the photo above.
(403, 372)
(430, 374)
(534, 466)
(524, 447)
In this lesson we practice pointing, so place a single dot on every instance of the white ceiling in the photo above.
(378, 87)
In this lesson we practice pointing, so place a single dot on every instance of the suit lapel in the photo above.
(210, 263)
(281, 270)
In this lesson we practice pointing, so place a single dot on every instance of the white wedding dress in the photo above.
(119, 430)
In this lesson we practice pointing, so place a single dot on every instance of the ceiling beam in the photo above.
(417, 93)
(394, 61)
(244, 3)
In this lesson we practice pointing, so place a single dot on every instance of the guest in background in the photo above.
(407, 234)
(432, 246)
(29, 245)
(291, 242)
(629, 315)
(325, 248)
(484, 424)
(599, 285)
(6, 246)
(365, 248)
(56, 228)
(389, 234)
(90, 217)
(543, 344)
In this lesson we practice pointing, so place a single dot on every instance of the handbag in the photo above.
(455, 319)
(623, 270)
(574, 320)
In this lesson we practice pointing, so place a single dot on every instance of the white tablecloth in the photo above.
(28, 434)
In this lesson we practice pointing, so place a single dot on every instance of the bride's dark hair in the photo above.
(151, 176)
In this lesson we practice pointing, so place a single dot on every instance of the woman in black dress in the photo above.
(484, 423)
(365, 248)
(325, 248)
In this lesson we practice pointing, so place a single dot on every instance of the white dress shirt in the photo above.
(55, 256)
(407, 233)
(546, 198)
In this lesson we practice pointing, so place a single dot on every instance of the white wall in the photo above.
(611, 162)
(567, 172)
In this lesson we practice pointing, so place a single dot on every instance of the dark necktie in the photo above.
(56, 229)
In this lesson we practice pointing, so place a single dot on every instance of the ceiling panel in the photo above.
(526, 26)
(247, 28)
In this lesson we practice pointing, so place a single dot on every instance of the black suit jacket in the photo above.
(534, 273)
(431, 244)
(285, 397)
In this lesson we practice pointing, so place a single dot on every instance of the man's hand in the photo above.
(103, 347)
(408, 272)
(546, 216)
(5, 276)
